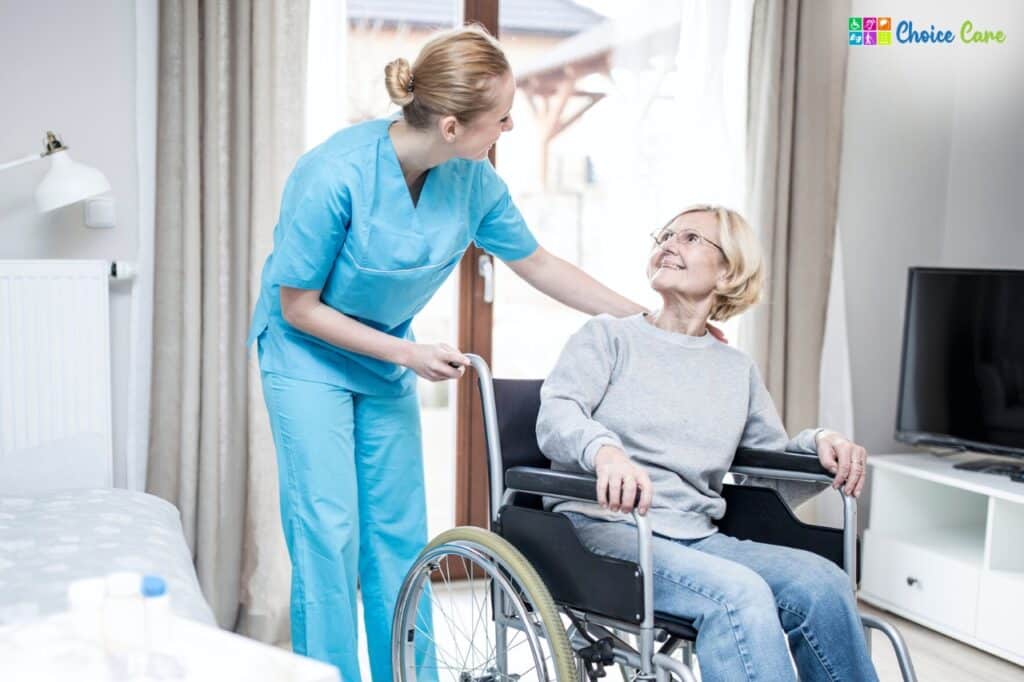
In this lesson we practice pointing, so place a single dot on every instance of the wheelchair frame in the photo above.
(649, 663)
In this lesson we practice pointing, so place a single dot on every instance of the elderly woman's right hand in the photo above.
(619, 479)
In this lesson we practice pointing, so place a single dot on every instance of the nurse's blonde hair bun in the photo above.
(398, 79)
(454, 75)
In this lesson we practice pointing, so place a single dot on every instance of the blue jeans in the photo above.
(746, 600)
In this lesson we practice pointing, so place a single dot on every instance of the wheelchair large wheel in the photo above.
(497, 625)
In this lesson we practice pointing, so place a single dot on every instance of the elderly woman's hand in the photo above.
(619, 479)
(845, 459)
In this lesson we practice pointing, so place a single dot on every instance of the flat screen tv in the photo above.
(962, 368)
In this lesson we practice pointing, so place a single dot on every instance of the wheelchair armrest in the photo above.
(576, 486)
(563, 484)
(783, 462)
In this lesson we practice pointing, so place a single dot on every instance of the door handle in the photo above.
(486, 270)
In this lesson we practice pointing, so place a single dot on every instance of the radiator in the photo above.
(55, 403)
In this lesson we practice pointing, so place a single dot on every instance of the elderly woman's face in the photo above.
(688, 260)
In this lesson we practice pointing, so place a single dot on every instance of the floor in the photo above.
(937, 658)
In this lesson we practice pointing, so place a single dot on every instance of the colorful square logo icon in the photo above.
(869, 23)
(855, 24)
(869, 37)
(885, 37)
(856, 38)
(884, 24)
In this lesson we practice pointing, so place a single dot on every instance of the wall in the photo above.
(931, 174)
(70, 67)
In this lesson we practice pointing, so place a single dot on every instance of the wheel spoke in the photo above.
(464, 647)
(454, 626)
(437, 647)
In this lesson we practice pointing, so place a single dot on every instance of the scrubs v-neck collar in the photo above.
(391, 155)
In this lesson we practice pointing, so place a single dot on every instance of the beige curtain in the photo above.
(230, 126)
(798, 54)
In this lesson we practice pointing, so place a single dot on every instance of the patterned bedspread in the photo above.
(49, 540)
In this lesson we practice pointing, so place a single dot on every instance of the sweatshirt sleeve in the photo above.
(764, 431)
(567, 432)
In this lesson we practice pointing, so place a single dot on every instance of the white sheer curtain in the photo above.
(326, 70)
(835, 400)
(714, 43)
(711, 100)
(672, 130)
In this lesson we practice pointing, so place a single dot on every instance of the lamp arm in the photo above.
(19, 162)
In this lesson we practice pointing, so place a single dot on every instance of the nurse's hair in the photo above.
(744, 279)
(453, 75)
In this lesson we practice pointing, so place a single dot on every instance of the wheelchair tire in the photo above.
(503, 565)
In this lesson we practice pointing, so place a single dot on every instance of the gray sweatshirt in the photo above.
(677, 405)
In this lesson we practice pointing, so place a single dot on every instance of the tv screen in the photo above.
(962, 372)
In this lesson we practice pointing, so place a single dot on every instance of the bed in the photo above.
(60, 516)
(49, 539)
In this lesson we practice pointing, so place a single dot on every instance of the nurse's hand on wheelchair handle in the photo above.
(620, 481)
(846, 460)
(437, 361)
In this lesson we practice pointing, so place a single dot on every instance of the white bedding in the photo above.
(50, 539)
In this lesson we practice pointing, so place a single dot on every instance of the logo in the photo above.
(879, 31)
(870, 30)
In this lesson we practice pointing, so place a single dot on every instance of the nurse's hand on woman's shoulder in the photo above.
(434, 361)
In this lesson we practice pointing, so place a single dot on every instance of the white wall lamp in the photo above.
(67, 181)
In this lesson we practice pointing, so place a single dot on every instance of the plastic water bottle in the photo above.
(123, 617)
(157, 608)
(162, 662)
(124, 626)
(85, 603)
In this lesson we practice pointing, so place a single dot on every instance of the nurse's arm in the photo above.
(303, 309)
(566, 283)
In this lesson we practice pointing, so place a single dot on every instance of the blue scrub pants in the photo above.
(350, 469)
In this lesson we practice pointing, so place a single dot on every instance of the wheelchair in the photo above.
(526, 600)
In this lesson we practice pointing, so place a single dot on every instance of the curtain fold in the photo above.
(230, 118)
(797, 68)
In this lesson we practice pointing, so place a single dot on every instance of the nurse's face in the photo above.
(479, 135)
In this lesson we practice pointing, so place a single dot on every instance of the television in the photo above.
(962, 366)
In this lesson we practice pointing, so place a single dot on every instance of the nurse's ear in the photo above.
(447, 125)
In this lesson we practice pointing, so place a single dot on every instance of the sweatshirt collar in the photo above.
(676, 338)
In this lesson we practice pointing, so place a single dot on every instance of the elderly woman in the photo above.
(653, 404)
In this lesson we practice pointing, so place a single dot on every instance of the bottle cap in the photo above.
(153, 586)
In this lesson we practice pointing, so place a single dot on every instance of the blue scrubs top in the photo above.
(348, 227)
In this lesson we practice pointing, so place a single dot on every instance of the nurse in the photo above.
(372, 221)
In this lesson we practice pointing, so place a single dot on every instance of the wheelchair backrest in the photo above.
(517, 402)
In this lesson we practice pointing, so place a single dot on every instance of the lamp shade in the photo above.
(67, 182)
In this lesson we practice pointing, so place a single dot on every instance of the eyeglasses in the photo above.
(686, 238)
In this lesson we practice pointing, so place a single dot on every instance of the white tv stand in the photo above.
(945, 548)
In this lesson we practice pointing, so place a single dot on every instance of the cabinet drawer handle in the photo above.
(912, 581)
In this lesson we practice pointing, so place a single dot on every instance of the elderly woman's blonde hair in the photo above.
(744, 279)
(453, 75)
